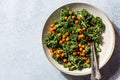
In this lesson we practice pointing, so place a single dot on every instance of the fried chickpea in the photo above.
(65, 60)
(51, 29)
(62, 55)
(65, 18)
(78, 52)
(79, 17)
(80, 49)
(59, 34)
(88, 43)
(83, 46)
(74, 53)
(88, 61)
(83, 51)
(54, 28)
(79, 30)
(82, 54)
(85, 58)
(63, 39)
(69, 64)
(81, 36)
(73, 17)
(80, 45)
(67, 33)
(64, 36)
(57, 55)
(70, 12)
(52, 25)
(67, 39)
(76, 21)
(60, 42)
(73, 31)
(51, 54)
(83, 28)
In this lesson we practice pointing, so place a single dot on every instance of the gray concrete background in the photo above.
(21, 54)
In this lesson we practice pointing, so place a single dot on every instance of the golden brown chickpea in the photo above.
(69, 64)
(79, 17)
(80, 49)
(52, 25)
(62, 55)
(74, 53)
(76, 21)
(83, 28)
(85, 58)
(57, 55)
(54, 28)
(73, 17)
(64, 36)
(88, 61)
(59, 34)
(73, 31)
(60, 42)
(70, 12)
(83, 51)
(65, 60)
(67, 33)
(67, 39)
(83, 46)
(88, 43)
(65, 18)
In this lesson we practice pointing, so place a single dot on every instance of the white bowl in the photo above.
(108, 37)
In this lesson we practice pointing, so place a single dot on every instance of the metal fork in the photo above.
(94, 64)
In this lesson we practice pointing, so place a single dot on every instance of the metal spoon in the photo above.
(94, 64)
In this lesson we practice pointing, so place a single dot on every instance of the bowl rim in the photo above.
(89, 4)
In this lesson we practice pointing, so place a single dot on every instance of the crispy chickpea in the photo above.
(51, 54)
(57, 55)
(62, 55)
(73, 17)
(69, 64)
(76, 21)
(79, 17)
(64, 60)
(58, 51)
(83, 51)
(64, 36)
(83, 28)
(82, 54)
(74, 53)
(83, 46)
(88, 43)
(52, 25)
(79, 30)
(81, 36)
(65, 18)
(63, 39)
(80, 45)
(85, 58)
(59, 34)
(67, 33)
(80, 49)
(51, 29)
(54, 28)
(73, 31)
(77, 46)
(78, 52)
(67, 39)
(88, 61)
(60, 42)
(70, 12)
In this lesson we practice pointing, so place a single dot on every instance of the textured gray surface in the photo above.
(21, 54)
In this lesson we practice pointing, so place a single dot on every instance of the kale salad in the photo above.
(70, 35)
